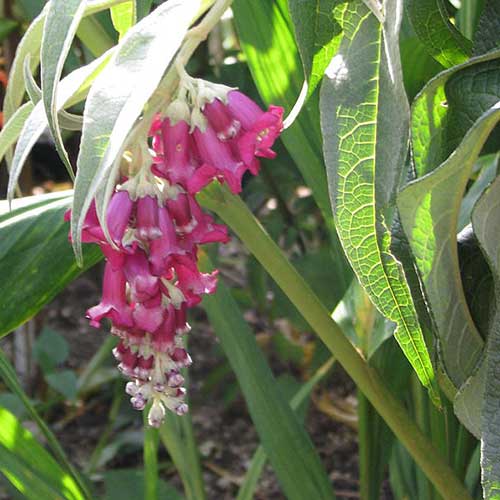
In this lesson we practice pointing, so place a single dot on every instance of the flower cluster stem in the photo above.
(240, 219)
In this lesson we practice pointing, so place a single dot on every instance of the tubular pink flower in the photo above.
(217, 155)
(143, 285)
(113, 304)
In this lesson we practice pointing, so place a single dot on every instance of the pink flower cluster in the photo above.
(154, 227)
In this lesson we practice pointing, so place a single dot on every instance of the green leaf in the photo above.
(29, 44)
(30, 468)
(429, 209)
(259, 459)
(29, 239)
(287, 444)
(487, 36)
(143, 8)
(75, 83)
(447, 107)
(267, 39)
(64, 382)
(11, 130)
(61, 23)
(486, 223)
(318, 36)
(364, 116)
(124, 86)
(124, 16)
(443, 41)
(488, 167)
(50, 350)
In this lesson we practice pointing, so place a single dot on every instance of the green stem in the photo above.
(151, 441)
(236, 214)
(94, 36)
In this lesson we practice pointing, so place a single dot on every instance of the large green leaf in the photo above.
(285, 441)
(76, 83)
(486, 223)
(487, 36)
(364, 116)
(61, 23)
(30, 468)
(266, 36)
(429, 209)
(124, 86)
(441, 38)
(318, 36)
(449, 105)
(30, 237)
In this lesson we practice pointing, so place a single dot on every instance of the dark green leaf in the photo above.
(50, 350)
(318, 36)
(64, 382)
(287, 444)
(448, 106)
(441, 38)
(30, 237)
(429, 210)
(365, 116)
(487, 35)
(6, 27)
(486, 223)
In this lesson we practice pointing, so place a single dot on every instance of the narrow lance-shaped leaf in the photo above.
(364, 116)
(61, 23)
(124, 16)
(429, 209)
(30, 236)
(29, 466)
(124, 87)
(441, 38)
(76, 82)
(486, 223)
(318, 36)
(287, 444)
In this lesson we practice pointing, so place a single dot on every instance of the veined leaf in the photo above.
(449, 105)
(318, 36)
(443, 41)
(61, 23)
(487, 37)
(124, 16)
(124, 87)
(30, 236)
(30, 468)
(287, 444)
(429, 209)
(364, 117)
(486, 223)
(76, 82)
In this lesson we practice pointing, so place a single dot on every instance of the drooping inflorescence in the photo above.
(155, 225)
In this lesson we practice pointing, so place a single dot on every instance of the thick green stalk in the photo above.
(150, 453)
(236, 214)
(94, 36)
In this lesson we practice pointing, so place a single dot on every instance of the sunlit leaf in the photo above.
(365, 117)
(124, 16)
(441, 38)
(318, 35)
